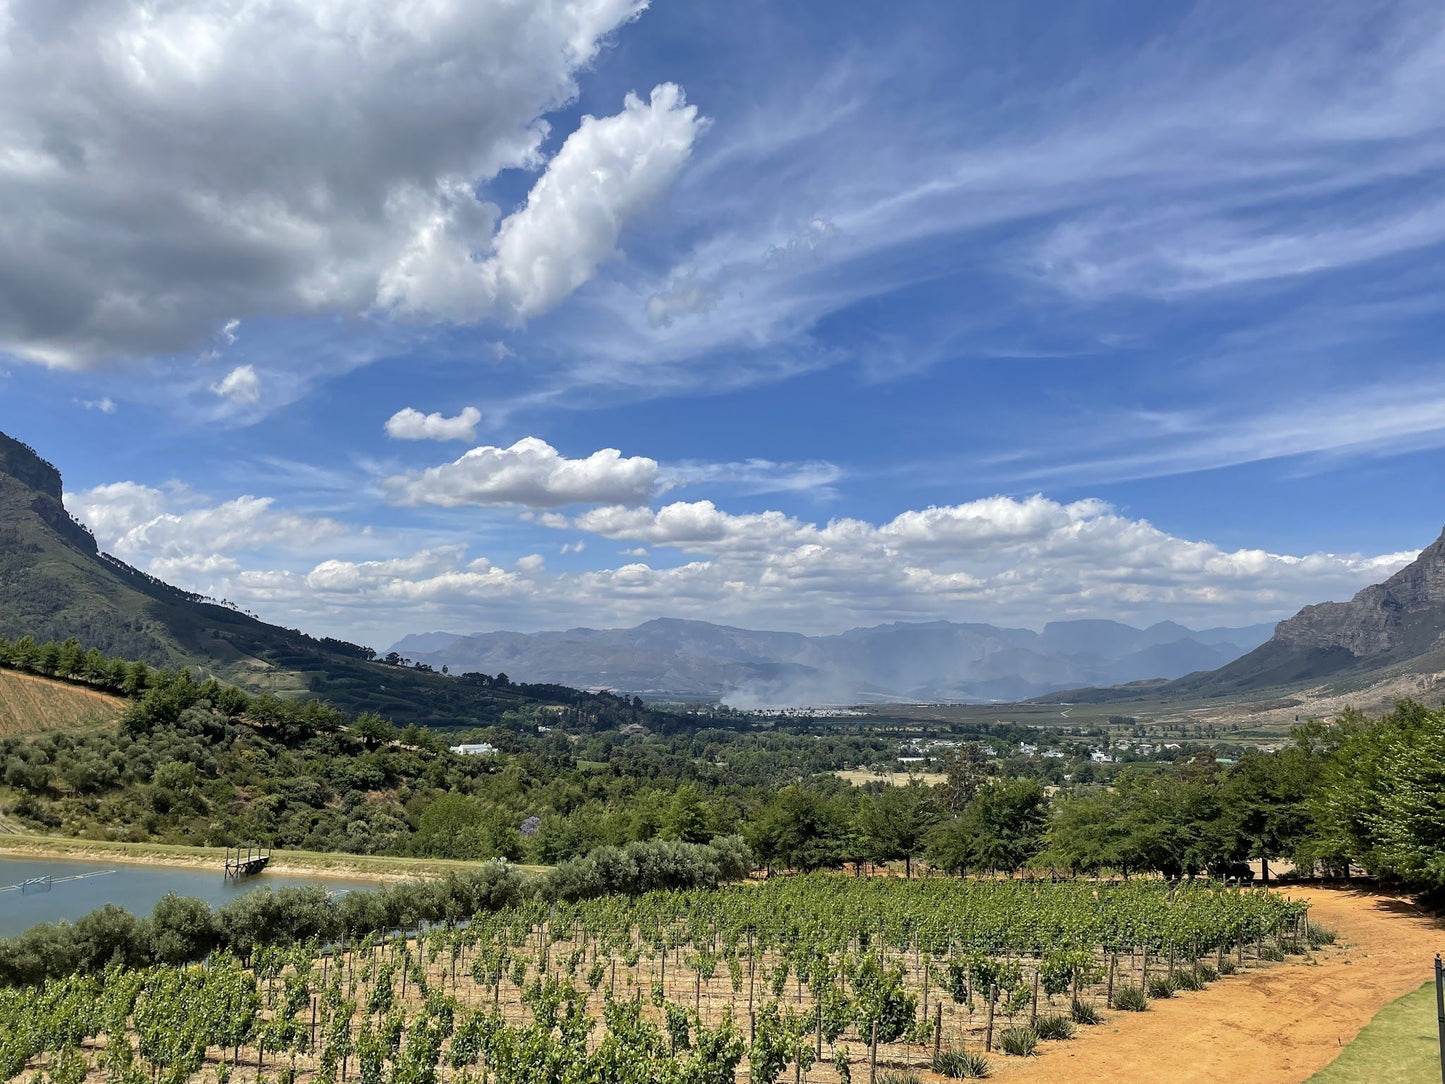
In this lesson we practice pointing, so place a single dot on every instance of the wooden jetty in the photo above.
(244, 863)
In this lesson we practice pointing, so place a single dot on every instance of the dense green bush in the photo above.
(1161, 986)
(958, 1063)
(1056, 1027)
(1085, 1012)
(1130, 999)
(1021, 1042)
(1187, 979)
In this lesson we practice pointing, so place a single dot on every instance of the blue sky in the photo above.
(988, 312)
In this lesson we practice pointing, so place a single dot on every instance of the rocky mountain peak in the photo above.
(31, 483)
(1404, 615)
(23, 463)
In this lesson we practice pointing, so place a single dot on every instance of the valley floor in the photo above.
(1276, 1025)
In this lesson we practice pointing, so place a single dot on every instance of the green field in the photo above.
(1399, 1045)
(1240, 721)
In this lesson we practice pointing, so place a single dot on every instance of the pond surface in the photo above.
(78, 887)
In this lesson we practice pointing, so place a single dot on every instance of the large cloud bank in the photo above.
(167, 168)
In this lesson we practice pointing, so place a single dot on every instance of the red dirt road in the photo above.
(1275, 1025)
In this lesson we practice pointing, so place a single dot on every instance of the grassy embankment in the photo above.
(1400, 1045)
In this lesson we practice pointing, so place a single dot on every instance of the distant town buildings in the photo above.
(476, 749)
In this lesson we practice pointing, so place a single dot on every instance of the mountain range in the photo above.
(55, 583)
(933, 661)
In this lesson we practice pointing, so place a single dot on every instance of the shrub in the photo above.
(1272, 953)
(1085, 1012)
(1188, 979)
(1130, 999)
(1205, 973)
(900, 1076)
(1055, 1027)
(1161, 986)
(956, 1063)
(1320, 936)
(1227, 965)
(1021, 1042)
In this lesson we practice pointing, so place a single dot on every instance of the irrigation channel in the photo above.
(34, 890)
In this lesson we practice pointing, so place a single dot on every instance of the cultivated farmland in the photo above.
(822, 977)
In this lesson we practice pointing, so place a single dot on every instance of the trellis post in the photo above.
(1440, 1009)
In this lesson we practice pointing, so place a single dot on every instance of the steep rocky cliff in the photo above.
(1402, 617)
(1387, 629)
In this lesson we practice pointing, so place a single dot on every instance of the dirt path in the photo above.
(1277, 1025)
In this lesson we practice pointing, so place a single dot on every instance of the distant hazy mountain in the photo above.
(935, 660)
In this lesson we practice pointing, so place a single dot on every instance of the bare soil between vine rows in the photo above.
(1276, 1025)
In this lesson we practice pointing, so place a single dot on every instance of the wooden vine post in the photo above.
(988, 1019)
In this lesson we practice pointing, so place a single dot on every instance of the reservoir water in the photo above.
(79, 887)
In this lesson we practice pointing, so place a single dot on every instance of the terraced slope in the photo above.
(29, 704)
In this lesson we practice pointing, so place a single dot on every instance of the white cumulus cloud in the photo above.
(171, 168)
(134, 521)
(411, 424)
(606, 172)
(530, 473)
(241, 386)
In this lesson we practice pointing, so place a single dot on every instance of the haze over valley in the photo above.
(933, 661)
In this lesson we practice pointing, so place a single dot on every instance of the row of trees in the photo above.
(69, 661)
(1357, 792)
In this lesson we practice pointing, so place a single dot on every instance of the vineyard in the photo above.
(821, 978)
(31, 704)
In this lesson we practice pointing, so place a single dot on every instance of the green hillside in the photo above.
(56, 584)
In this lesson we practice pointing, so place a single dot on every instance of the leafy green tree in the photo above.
(373, 729)
(686, 817)
(1002, 828)
(799, 828)
(967, 771)
(1410, 823)
(183, 929)
(894, 822)
(1267, 802)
